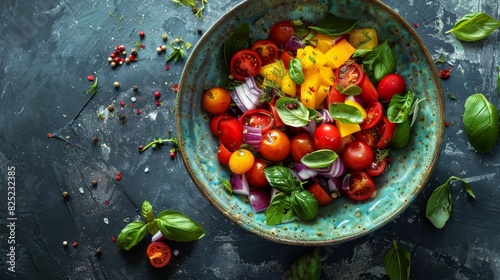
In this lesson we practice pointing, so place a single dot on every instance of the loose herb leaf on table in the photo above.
(481, 122)
(474, 27)
(397, 262)
(306, 266)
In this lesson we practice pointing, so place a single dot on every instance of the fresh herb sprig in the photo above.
(158, 142)
(397, 262)
(193, 5)
(178, 52)
(306, 266)
(93, 87)
(474, 27)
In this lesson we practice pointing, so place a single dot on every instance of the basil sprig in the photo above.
(379, 62)
(397, 262)
(292, 112)
(400, 107)
(481, 122)
(292, 199)
(306, 266)
(474, 27)
(333, 25)
(345, 113)
(172, 225)
(295, 71)
(319, 158)
(438, 209)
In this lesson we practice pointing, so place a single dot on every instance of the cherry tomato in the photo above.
(231, 133)
(385, 131)
(216, 100)
(369, 93)
(255, 176)
(348, 74)
(281, 32)
(320, 194)
(286, 56)
(223, 154)
(326, 136)
(267, 50)
(272, 107)
(260, 118)
(361, 186)
(358, 155)
(368, 136)
(374, 113)
(245, 63)
(159, 254)
(376, 168)
(301, 145)
(390, 85)
(334, 95)
(275, 145)
(241, 161)
(215, 120)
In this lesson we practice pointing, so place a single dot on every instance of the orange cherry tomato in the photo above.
(216, 100)
(275, 145)
(241, 161)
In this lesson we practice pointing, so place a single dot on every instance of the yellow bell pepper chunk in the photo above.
(274, 71)
(357, 106)
(311, 58)
(364, 38)
(321, 94)
(346, 129)
(309, 88)
(288, 86)
(327, 76)
(323, 42)
(339, 54)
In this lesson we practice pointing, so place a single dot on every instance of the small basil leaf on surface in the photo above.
(237, 40)
(279, 210)
(379, 62)
(280, 178)
(295, 70)
(179, 227)
(292, 112)
(480, 120)
(401, 135)
(397, 262)
(147, 211)
(345, 113)
(304, 204)
(400, 107)
(131, 235)
(333, 25)
(474, 27)
(319, 158)
(306, 266)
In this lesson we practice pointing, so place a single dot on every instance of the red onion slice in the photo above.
(260, 198)
(157, 237)
(239, 184)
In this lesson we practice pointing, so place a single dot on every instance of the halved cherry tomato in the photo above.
(390, 85)
(241, 161)
(385, 131)
(361, 186)
(223, 154)
(231, 133)
(376, 168)
(368, 136)
(369, 93)
(326, 136)
(255, 176)
(281, 32)
(286, 56)
(348, 74)
(301, 145)
(358, 155)
(374, 113)
(272, 107)
(320, 194)
(159, 254)
(275, 145)
(267, 50)
(260, 118)
(245, 63)
(334, 96)
(215, 120)
(216, 100)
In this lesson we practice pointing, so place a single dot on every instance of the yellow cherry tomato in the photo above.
(216, 100)
(241, 161)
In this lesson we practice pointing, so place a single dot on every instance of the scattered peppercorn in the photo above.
(135, 88)
(116, 84)
(200, 31)
(113, 239)
(75, 244)
(90, 78)
(95, 139)
(140, 147)
(94, 183)
(65, 243)
(142, 34)
(164, 37)
(447, 124)
(113, 64)
(134, 52)
(111, 108)
(106, 202)
(122, 104)
(138, 112)
(158, 50)
(122, 118)
(118, 176)
(49, 135)
(157, 94)
(158, 103)
(98, 251)
(65, 195)
(415, 25)
(445, 73)
(167, 67)
(163, 48)
(176, 88)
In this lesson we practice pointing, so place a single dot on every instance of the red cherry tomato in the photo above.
(361, 186)
(215, 120)
(260, 118)
(348, 74)
(301, 145)
(286, 56)
(369, 93)
(272, 107)
(320, 194)
(275, 145)
(376, 168)
(281, 32)
(231, 133)
(389, 86)
(374, 113)
(358, 155)
(326, 136)
(385, 131)
(245, 63)
(334, 95)
(223, 154)
(159, 254)
(255, 176)
(267, 50)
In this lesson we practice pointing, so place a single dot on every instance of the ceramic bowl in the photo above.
(343, 219)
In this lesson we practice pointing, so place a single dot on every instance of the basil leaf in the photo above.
(279, 210)
(414, 110)
(292, 112)
(397, 262)
(131, 235)
(179, 227)
(360, 52)
(147, 211)
(481, 122)
(379, 62)
(295, 70)
(438, 207)
(474, 27)
(319, 158)
(333, 25)
(350, 90)
(304, 204)
(498, 80)
(306, 266)
(237, 40)
(280, 178)
(345, 113)
(400, 106)
(401, 135)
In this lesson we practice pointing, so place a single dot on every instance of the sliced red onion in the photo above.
(327, 117)
(252, 136)
(260, 198)
(336, 169)
(293, 44)
(237, 101)
(340, 38)
(245, 96)
(334, 186)
(157, 237)
(239, 184)
(274, 192)
(345, 182)
(304, 172)
(311, 127)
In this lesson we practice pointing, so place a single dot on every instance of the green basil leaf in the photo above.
(237, 40)
(227, 186)
(379, 62)
(304, 204)
(295, 70)
(414, 110)
(131, 235)
(345, 113)
(438, 207)
(481, 122)
(179, 227)
(147, 211)
(474, 27)
(333, 25)
(280, 178)
(400, 107)
(306, 266)
(498, 80)
(397, 262)
(319, 158)
(279, 210)
(401, 135)
(360, 52)
(292, 112)
(350, 90)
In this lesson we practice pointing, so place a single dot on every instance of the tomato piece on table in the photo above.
(259, 118)
(275, 145)
(281, 32)
(216, 100)
(159, 254)
(358, 155)
(349, 74)
(361, 186)
(215, 120)
(390, 85)
(245, 63)
(321, 195)
(376, 168)
(267, 50)
(231, 133)
(223, 154)
(301, 145)
(255, 176)
(326, 136)
(374, 113)
(369, 93)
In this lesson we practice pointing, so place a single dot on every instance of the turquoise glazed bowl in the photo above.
(343, 219)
